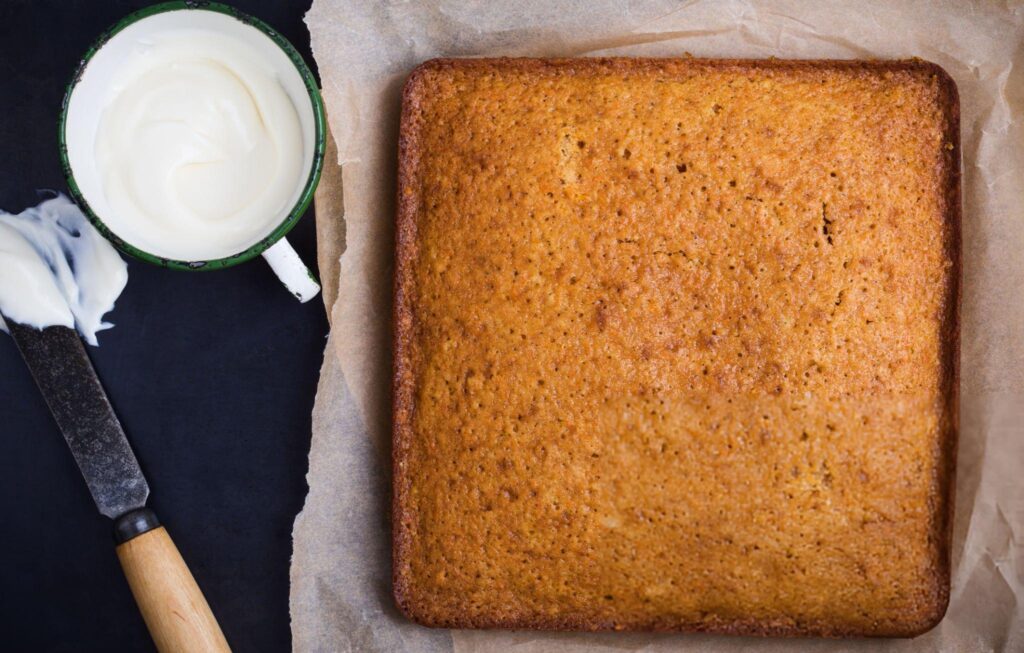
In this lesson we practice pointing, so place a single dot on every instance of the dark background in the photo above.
(212, 374)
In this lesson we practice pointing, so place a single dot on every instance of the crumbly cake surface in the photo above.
(676, 345)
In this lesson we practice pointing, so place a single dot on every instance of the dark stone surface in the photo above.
(213, 376)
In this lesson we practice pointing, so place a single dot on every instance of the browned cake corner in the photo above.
(676, 345)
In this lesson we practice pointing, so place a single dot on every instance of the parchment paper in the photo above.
(341, 590)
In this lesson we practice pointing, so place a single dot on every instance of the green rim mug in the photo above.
(82, 108)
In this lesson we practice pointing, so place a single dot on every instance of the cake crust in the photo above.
(432, 548)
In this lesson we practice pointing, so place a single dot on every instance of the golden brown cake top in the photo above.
(676, 345)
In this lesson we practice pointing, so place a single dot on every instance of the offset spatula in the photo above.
(173, 606)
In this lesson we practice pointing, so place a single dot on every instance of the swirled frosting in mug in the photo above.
(199, 148)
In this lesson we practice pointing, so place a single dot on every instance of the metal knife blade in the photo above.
(65, 375)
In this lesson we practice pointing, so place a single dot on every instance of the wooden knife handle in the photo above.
(173, 606)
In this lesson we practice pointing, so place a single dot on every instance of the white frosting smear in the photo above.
(200, 149)
(56, 269)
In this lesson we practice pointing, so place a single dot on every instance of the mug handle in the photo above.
(293, 273)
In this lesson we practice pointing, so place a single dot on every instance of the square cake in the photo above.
(676, 345)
